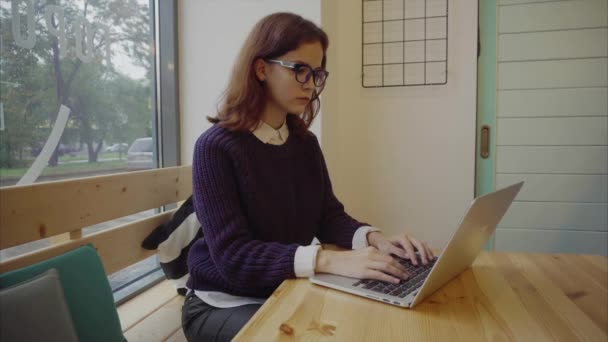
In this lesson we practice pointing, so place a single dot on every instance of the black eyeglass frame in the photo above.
(296, 70)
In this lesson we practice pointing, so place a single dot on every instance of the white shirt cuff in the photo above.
(305, 260)
(360, 237)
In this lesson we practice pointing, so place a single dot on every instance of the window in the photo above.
(77, 85)
(80, 93)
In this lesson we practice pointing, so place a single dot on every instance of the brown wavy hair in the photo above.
(243, 101)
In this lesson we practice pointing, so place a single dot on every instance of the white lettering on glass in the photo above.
(56, 27)
(30, 34)
(82, 25)
(54, 18)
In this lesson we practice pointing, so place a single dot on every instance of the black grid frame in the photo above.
(411, 69)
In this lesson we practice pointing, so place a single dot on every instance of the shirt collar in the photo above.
(265, 133)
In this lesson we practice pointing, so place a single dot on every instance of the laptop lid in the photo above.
(478, 224)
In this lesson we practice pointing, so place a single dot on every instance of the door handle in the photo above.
(484, 148)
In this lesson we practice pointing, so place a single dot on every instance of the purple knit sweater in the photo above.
(257, 203)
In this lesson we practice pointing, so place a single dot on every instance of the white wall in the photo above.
(211, 33)
(401, 158)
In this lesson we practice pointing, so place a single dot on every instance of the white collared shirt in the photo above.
(306, 256)
(268, 135)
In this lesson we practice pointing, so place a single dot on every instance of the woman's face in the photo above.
(284, 91)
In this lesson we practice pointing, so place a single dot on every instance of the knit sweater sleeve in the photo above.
(241, 260)
(337, 227)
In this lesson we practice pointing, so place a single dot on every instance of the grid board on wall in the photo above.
(405, 42)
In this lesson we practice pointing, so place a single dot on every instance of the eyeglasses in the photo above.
(303, 72)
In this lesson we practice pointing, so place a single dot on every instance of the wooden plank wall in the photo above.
(552, 124)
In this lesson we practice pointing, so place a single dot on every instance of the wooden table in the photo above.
(501, 297)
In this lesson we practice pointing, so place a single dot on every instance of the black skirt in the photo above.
(202, 322)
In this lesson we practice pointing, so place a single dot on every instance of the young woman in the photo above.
(262, 191)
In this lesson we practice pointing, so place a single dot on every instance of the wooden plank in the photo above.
(143, 305)
(558, 15)
(552, 102)
(598, 261)
(499, 303)
(519, 2)
(117, 247)
(552, 159)
(327, 310)
(309, 310)
(592, 272)
(552, 131)
(550, 241)
(76, 234)
(591, 299)
(178, 336)
(557, 301)
(553, 45)
(592, 72)
(558, 188)
(460, 308)
(33, 212)
(534, 303)
(55, 239)
(496, 299)
(160, 325)
(557, 216)
(269, 318)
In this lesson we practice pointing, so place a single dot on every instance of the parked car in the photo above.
(141, 154)
(117, 147)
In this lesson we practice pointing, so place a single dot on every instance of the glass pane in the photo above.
(77, 98)
(76, 89)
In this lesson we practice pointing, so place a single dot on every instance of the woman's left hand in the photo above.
(402, 245)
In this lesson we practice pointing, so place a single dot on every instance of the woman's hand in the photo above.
(365, 263)
(402, 245)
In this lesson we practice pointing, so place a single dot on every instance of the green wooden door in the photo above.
(486, 101)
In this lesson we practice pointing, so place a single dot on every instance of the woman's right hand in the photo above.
(365, 263)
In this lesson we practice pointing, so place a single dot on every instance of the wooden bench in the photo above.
(62, 209)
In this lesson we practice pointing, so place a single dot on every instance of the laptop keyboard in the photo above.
(417, 276)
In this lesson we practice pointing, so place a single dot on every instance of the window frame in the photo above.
(167, 123)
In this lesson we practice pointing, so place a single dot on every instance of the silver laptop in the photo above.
(478, 224)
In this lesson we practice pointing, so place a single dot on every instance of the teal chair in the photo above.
(87, 292)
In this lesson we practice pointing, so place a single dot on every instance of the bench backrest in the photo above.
(33, 212)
